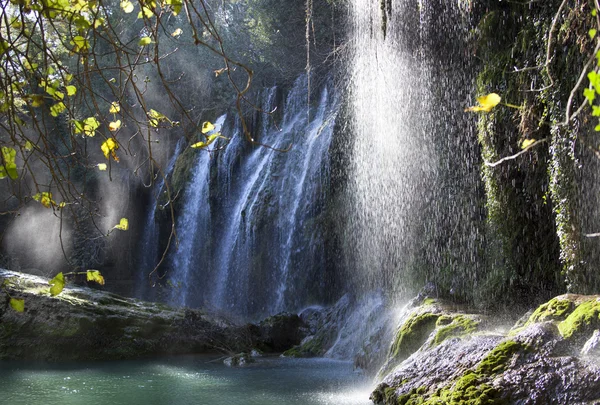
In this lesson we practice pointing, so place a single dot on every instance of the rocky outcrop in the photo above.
(86, 324)
(443, 356)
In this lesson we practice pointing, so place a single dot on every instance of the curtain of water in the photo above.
(149, 243)
(194, 225)
(415, 188)
(258, 217)
(393, 167)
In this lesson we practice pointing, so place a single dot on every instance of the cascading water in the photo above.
(149, 244)
(258, 248)
(193, 226)
(393, 167)
(414, 186)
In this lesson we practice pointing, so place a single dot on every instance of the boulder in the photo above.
(535, 362)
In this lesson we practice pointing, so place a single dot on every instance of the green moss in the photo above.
(456, 326)
(413, 334)
(294, 352)
(584, 319)
(470, 389)
(497, 360)
(429, 301)
(555, 309)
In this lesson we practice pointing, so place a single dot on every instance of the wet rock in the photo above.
(239, 360)
(323, 328)
(592, 346)
(534, 363)
(85, 324)
(280, 332)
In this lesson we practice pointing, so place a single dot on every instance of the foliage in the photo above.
(77, 80)
(486, 103)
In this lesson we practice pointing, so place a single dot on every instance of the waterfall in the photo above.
(251, 233)
(414, 187)
(193, 225)
(149, 243)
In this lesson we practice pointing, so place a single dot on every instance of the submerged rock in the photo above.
(85, 324)
(536, 362)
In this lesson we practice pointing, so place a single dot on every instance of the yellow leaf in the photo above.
(94, 275)
(109, 148)
(113, 126)
(207, 127)
(114, 107)
(57, 283)
(527, 142)
(28, 146)
(177, 32)
(45, 198)
(210, 139)
(90, 125)
(37, 100)
(102, 166)
(145, 41)
(71, 90)
(486, 103)
(123, 224)
(17, 304)
(127, 6)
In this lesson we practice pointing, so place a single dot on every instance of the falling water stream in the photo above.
(248, 250)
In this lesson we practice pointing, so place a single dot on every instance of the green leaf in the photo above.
(45, 198)
(9, 166)
(57, 108)
(146, 12)
(145, 41)
(597, 128)
(3, 47)
(590, 95)
(71, 90)
(102, 166)
(594, 13)
(88, 126)
(57, 284)
(80, 44)
(17, 304)
(94, 275)
(592, 33)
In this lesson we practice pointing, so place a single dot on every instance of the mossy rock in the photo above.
(576, 316)
(582, 322)
(498, 359)
(413, 334)
(448, 326)
(556, 309)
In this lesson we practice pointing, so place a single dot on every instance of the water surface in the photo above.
(196, 380)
